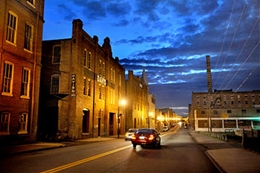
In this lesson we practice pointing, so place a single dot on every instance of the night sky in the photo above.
(170, 40)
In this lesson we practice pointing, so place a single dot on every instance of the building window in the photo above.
(246, 102)
(89, 60)
(243, 111)
(8, 78)
(112, 96)
(55, 84)
(4, 122)
(25, 86)
(85, 58)
(257, 110)
(11, 27)
(89, 87)
(229, 111)
(23, 122)
(99, 91)
(31, 2)
(28, 37)
(120, 80)
(112, 73)
(56, 54)
(84, 86)
(232, 102)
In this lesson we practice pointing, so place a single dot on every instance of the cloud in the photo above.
(170, 40)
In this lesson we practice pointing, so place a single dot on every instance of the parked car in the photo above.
(146, 137)
(129, 133)
(165, 128)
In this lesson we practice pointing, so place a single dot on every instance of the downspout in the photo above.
(34, 73)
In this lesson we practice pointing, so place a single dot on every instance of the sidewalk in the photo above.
(226, 157)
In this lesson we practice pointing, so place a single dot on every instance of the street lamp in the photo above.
(120, 103)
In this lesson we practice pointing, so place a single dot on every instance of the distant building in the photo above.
(81, 87)
(137, 109)
(21, 25)
(224, 109)
(151, 112)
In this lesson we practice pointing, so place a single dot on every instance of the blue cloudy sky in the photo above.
(170, 40)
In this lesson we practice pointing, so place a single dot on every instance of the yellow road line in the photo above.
(60, 168)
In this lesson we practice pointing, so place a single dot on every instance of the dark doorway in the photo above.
(48, 123)
(134, 122)
(111, 123)
(85, 121)
(99, 123)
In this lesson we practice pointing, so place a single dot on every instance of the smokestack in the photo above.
(209, 74)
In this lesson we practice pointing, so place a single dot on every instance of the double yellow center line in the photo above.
(60, 168)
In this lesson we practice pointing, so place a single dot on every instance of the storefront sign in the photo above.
(101, 80)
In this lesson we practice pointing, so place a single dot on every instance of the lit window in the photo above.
(8, 78)
(100, 91)
(56, 54)
(89, 87)
(112, 75)
(25, 83)
(4, 122)
(89, 60)
(11, 27)
(55, 84)
(28, 37)
(85, 57)
(112, 96)
(23, 122)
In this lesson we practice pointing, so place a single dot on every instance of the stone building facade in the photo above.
(137, 109)
(21, 25)
(81, 86)
(225, 109)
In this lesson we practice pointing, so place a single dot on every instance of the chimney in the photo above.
(209, 74)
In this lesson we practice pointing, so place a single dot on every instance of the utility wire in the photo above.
(241, 50)
(246, 79)
(222, 45)
(243, 63)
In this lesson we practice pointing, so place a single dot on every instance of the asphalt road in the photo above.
(179, 153)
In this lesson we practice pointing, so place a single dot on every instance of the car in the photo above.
(165, 128)
(146, 137)
(129, 133)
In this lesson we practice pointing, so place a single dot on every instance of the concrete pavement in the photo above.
(227, 158)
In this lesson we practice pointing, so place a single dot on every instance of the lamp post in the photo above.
(120, 103)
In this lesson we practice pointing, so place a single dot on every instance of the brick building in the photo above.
(137, 109)
(81, 86)
(21, 23)
(225, 109)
